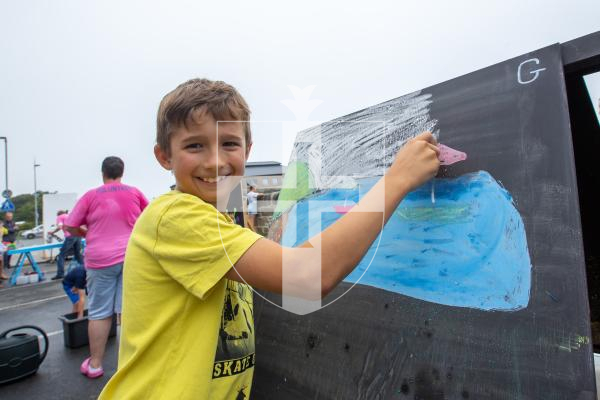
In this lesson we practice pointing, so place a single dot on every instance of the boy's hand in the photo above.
(416, 162)
(336, 251)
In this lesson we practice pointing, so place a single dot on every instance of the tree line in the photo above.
(25, 209)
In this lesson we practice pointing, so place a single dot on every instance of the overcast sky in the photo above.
(81, 80)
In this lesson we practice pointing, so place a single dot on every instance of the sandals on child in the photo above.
(85, 369)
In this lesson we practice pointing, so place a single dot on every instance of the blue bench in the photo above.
(25, 254)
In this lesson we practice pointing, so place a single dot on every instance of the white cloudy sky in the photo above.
(80, 80)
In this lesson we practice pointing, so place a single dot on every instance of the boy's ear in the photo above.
(162, 158)
(248, 148)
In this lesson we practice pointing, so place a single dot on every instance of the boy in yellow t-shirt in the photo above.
(187, 323)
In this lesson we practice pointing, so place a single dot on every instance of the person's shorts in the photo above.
(74, 297)
(105, 290)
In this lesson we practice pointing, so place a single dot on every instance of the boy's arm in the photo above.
(317, 266)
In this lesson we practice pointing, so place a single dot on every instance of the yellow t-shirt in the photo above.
(187, 332)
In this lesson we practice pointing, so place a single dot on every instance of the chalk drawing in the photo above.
(362, 144)
(469, 249)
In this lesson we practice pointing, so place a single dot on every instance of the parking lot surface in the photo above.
(58, 377)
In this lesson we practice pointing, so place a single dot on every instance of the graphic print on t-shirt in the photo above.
(235, 348)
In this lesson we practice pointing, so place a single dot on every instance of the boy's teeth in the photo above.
(213, 180)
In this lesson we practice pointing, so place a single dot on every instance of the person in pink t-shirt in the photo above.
(105, 216)
(70, 242)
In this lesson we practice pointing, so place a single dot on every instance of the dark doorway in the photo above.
(584, 101)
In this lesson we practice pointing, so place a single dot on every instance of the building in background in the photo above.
(267, 177)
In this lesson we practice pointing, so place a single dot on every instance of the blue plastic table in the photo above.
(25, 253)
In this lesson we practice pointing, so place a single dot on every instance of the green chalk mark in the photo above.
(298, 183)
(460, 213)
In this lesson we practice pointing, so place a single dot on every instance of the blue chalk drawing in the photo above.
(469, 249)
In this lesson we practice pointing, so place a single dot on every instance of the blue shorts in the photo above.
(105, 290)
(74, 297)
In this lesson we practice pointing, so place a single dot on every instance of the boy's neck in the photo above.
(109, 180)
(223, 201)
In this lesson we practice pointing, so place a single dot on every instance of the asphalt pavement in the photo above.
(58, 377)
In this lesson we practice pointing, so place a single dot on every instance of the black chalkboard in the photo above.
(377, 344)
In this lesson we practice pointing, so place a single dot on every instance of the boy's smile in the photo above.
(206, 163)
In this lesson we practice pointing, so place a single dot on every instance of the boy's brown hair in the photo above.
(218, 98)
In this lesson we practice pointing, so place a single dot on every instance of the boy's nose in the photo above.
(214, 161)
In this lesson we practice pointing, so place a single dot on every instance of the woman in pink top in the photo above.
(105, 216)
(70, 243)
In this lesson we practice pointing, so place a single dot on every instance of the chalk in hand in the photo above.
(449, 156)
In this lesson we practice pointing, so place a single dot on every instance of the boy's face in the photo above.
(205, 164)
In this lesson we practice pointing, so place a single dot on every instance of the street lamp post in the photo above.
(35, 165)
(5, 161)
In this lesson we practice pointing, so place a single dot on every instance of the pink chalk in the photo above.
(342, 209)
(449, 156)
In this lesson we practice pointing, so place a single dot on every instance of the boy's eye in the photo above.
(231, 144)
(194, 146)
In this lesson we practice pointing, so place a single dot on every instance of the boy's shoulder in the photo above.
(177, 198)
(177, 205)
(180, 219)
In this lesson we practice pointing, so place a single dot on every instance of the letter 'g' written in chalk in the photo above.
(535, 72)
